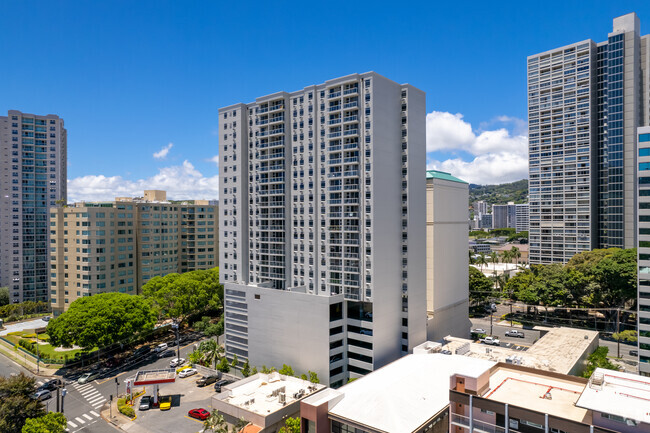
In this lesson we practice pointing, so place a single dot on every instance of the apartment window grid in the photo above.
(603, 170)
(643, 299)
(558, 84)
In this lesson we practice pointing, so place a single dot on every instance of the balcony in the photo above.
(351, 104)
(478, 426)
(334, 108)
(334, 94)
(334, 134)
(350, 118)
(351, 91)
(351, 132)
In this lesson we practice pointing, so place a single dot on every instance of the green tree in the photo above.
(518, 287)
(494, 258)
(4, 296)
(291, 425)
(16, 402)
(223, 365)
(286, 370)
(516, 254)
(246, 369)
(313, 377)
(235, 361)
(52, 422)
(179, 295)
(101, 320)
(628, 336)
(549, 286)
(598, 359)
(480, 287)
(506, 257)
(480, 261)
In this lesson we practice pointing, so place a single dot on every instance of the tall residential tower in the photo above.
(322, 226)
(32, 179)
(585, 101)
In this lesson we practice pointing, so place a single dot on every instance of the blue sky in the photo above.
(131, 77)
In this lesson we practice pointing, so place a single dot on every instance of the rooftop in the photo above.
(150, 377)
(435, 174)
(623, 394)
(264, 394)
(538, 391)
(393, 399)
(559, 350)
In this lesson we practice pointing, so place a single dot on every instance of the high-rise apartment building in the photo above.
(32, 179)
(522, 217)
(322, 226)
(585, 101)
(643, 296)
(119, 246)
(503, 216)
(480, 207)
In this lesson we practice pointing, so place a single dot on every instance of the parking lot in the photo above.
(185, 396)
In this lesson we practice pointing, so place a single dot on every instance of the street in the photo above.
(83, 403)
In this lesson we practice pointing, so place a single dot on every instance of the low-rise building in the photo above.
(264, 400)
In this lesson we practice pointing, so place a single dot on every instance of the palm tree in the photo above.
(494, 258)
(211, 351)
(516, 254)
(215, 423)
(471, 257)
(505, 257)
(480, 261)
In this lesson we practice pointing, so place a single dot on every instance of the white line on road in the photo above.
(95, 399)
(98, 404)
(89, 418)
(89, 393)
(73, 425)
(94, 413)
(80, 420)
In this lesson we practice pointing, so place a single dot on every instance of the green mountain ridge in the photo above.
(500, 194)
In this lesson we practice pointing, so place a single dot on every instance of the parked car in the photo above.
(145, 402)
(478, 331)
(634, 353)
(176, 362)
(514, 333)
(207, 380)
(41, 395)
(222, 382)
(166, 353)
(141, 351)
(87, 377)
(51, 385)
(46, 319)
(161, 347)
(494, 341)
(200, 413)
(187, 372)
(165, 402)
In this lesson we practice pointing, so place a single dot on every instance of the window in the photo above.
(643, 138)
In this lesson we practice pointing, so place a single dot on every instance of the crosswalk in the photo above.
(90, 394)
(83, 419)
(94, 399)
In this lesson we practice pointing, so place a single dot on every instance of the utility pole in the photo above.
(38, 356)
(178, 341)
(63, 393)
(58, 396)
(117, 387)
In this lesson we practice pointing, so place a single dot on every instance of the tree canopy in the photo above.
(101, 320)
(16, 402)
(604, 278)
(480, 286)
(52, 422)
(179, 295)
(4, 296)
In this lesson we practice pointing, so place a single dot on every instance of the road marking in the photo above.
(96, 399)
(94, 413)
(111, 378)
(87, 393)
(193, 419)
(89, 418)
(80, 420)
(73, 425)
(98, 404)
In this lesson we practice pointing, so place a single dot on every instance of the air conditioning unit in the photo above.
(282, 398)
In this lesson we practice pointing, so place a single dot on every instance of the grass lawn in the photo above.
(45, 350)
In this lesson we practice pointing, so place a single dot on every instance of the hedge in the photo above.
(127, 410)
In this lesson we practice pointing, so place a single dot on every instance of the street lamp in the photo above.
(178, 342)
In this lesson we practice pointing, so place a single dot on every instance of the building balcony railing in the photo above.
(351, 91)
(334, 94)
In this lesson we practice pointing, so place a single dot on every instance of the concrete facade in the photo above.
(119, 246)
(447, 260)
(585, 101)
(323, 196)
(33, 177)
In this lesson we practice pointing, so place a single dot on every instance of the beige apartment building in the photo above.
(118, 246)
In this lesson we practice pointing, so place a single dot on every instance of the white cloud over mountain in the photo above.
(181, 182)
(498, 155)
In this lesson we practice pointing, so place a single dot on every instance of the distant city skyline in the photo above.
(141, 89)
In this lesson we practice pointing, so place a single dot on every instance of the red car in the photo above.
(201, 414)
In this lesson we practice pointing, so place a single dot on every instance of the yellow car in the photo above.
(165, 402)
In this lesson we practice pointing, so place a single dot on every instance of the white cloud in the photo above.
(499, 156)
(162, 153)
(180, 181)
(214, 159)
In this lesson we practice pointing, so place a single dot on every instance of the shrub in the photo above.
(121, 401)
(127, 410)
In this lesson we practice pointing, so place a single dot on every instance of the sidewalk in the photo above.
(120, 421)
(7, 350)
